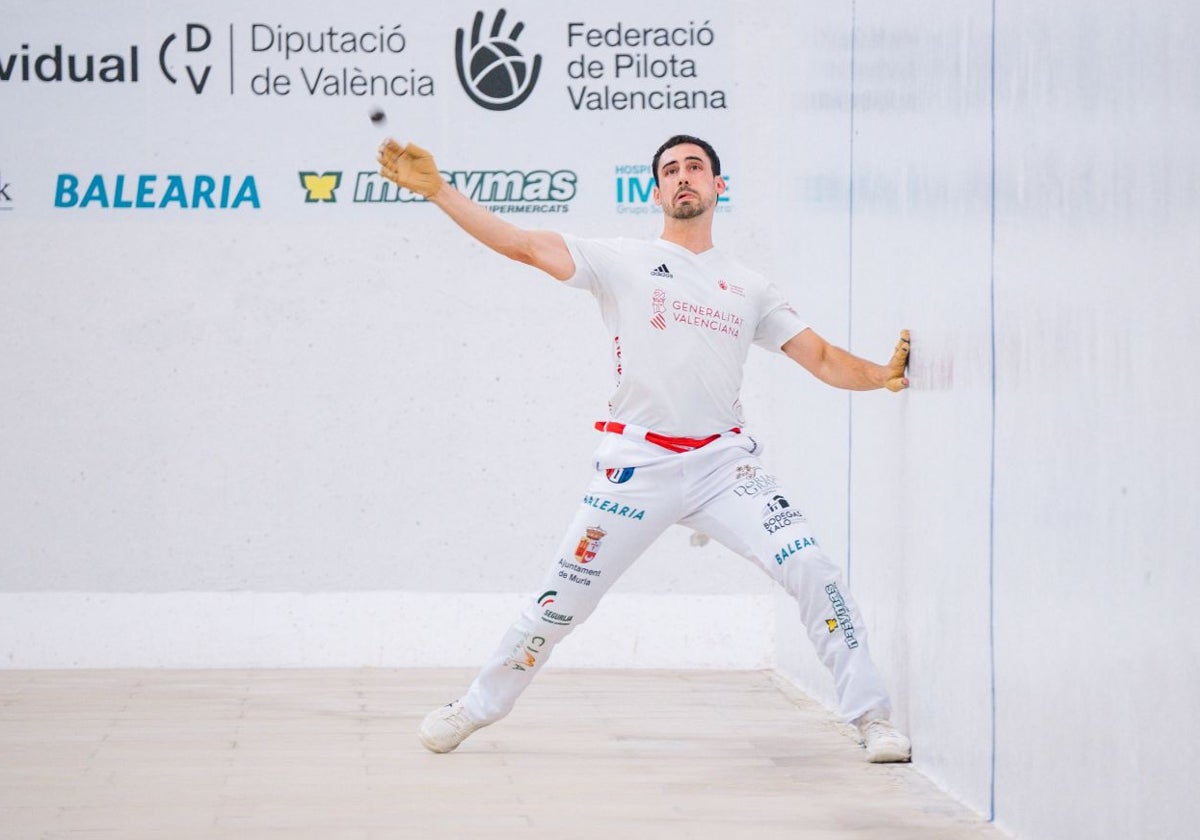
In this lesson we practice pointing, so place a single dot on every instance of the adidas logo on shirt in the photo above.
(662, 271)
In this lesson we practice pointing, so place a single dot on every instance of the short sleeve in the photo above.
(779, 324)
(587, 263)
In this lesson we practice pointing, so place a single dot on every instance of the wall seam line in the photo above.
(850, 313)
(992, 443)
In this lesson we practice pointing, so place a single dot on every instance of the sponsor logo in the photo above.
(320, 187)
(63, 64)
(197, 39)
(615, 508)
(548, 615)
(635, 190)
(576, 573)
(779, 514)
(619, 475)
(284, 48)
(843, 615)
(661, 271)
(831, 624)
(6, 201)
(505, 191)
(753, 481)
(794, 547)
(585, 552)
(731, 288)
(150, 192)
(720, 321)
(617, 358)
(777, 502)
(59, 65)
(325, 62)
(493, 71)
(659, 305)
(649, 68)
(524, 654)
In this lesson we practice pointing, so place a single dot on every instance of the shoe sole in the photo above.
(433, 746)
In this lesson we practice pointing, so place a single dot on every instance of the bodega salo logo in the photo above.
(63, 64)
(156, 192)
(492, 69)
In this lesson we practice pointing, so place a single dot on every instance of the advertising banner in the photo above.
(275, 110)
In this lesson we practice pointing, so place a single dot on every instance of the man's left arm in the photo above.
(835, 366)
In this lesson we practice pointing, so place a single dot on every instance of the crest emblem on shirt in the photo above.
(659, 305)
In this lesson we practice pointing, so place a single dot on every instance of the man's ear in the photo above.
(720, 185)
(657, 196)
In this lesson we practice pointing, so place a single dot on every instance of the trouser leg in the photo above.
(746, 509)
(613, 526)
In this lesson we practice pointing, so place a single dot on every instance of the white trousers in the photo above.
(722, 490)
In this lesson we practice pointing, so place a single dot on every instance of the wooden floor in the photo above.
(333, 755)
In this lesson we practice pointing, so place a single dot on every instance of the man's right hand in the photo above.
(409, 166)
(413, 168)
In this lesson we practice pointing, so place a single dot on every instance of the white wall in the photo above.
(303, 435)
(320, 400)
(1096, 123)
(1019, 538)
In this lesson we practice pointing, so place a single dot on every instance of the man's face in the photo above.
(686, 187)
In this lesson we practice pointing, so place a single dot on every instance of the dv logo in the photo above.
(197, 39)
(493, 71)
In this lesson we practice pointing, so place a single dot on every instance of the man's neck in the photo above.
(693, 234)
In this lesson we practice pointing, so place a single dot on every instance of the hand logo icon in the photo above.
(493, 71)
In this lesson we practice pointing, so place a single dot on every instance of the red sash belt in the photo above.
(674, 444)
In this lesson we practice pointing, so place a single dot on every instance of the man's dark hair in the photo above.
(679, 140)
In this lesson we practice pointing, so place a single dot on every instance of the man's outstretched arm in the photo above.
(414, 168)
(834, 366)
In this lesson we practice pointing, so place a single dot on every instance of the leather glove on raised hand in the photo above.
(409, 166)
(896, 380)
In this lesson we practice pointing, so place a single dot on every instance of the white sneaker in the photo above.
(446, 727)
(884, 743)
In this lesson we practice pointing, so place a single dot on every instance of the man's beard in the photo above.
(685, 211)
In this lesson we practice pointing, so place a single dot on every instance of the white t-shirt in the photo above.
(681, 326)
